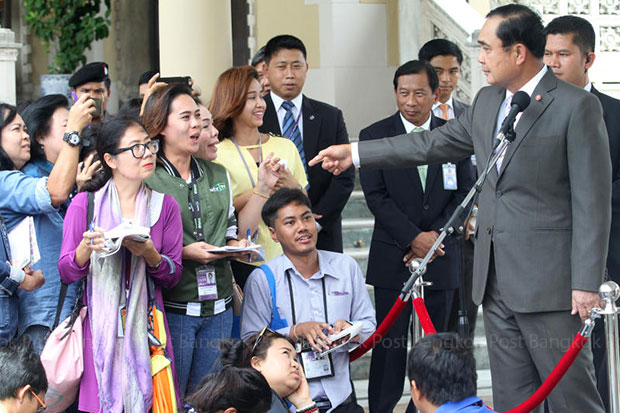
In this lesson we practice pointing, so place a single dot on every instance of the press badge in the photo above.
(449, 176)
(207, 286)
(316, 367)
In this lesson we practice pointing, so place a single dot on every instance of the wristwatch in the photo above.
(72, 138)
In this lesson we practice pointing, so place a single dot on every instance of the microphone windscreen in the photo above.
(522, 99)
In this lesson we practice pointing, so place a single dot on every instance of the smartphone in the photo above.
(98, 108)
(186, 80)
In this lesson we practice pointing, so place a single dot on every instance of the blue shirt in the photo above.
(347, 299)
(24, 193)
(471, 404)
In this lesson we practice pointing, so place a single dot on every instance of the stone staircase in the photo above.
(357, 226)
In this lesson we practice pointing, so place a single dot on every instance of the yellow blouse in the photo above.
(228, 156)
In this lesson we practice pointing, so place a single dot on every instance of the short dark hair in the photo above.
(21, 366)
(146, 76)
(259, 56)
(283, 41)
(520, 25)
(38, 119)
(443, 367)
(243, 388)
(416, 67)
(440, 47)
(580, 28)
(279, 199)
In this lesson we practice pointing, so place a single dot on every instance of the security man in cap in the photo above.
(90, 79)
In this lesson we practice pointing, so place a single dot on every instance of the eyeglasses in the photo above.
(43, 406)
(260, 337)
(139, 149)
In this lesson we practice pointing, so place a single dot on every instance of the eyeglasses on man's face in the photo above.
(42, 406)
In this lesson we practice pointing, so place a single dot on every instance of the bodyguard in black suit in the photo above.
(570, 53)
(319, 124)
(409, 214)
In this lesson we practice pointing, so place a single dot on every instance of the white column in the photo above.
(8, 59)
(195, 39)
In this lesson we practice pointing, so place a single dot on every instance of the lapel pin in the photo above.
(538, 98)
(311, 117)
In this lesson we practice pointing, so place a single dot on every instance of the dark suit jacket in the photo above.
(611, 115)
(323, 125)
(546, 215)
(402, 210)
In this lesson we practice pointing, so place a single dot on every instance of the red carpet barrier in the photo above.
(427, 325)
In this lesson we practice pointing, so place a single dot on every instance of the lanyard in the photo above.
(5, 238)
(193, 196)
(290, 290)
(260, 156)
(194, 206)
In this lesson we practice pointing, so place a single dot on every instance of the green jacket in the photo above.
(215, 201)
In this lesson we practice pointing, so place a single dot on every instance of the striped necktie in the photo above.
(422, 169)
(290, 130)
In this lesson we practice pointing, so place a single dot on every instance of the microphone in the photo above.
(520, 101)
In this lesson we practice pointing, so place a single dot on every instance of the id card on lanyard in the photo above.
(205, 274)
(315, 366)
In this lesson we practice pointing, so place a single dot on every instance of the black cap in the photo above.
(91, 72)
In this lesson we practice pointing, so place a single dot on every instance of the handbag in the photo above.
(63, 354)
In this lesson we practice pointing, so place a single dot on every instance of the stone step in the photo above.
(360, 255)
(356, 207)
(357, 233)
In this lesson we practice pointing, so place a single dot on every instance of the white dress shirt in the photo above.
(281, 112)
(439, 113)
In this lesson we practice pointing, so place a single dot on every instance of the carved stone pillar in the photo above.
(8, 57)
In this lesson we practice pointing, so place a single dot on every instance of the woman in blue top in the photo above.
(39, 196)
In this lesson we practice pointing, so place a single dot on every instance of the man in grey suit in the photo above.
(544, 214)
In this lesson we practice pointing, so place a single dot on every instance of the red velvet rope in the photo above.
(418, 303)
(425, 319)
(553, 379)
(387, 323)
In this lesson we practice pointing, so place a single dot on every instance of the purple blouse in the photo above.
(170, 245)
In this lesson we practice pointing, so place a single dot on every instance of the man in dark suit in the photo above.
(446, 58)
(312, 126)
(569, 52)
(544, 212)
(409, 214)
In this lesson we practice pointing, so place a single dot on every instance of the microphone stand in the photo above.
(454, 224)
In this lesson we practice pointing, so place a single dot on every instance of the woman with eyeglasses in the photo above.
(199, 308)
(29, 193)
(119, 287)
(238, 108)
(274, 356)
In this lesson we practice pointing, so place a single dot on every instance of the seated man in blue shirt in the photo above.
(317, 293)
(442, 370)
